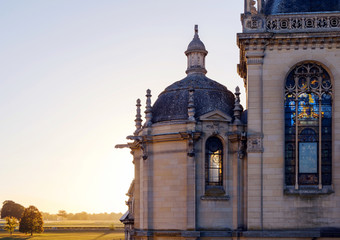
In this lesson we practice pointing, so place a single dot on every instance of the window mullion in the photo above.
(296, 143)
(320, 143)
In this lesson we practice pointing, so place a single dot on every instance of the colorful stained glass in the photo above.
(304, 106)
(302, 82)
(314, 82)
(308, 109)
(326, 82)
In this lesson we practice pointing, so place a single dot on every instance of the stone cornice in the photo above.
(163, 137)
(260, 42)
(256, 41)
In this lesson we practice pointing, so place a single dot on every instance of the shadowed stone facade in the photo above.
(205, 168)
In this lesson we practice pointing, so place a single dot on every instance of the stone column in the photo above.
(255, 135)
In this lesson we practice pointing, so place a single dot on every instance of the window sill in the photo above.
(215, 198)
(308, 190)
(215, 193)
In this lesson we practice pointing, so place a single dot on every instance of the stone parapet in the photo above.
(291, 23)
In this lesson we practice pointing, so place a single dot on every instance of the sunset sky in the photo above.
(71, 71)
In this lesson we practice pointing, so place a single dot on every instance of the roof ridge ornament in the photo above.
(238, 107)
(191, 105)
(138, 119)
(148, 109)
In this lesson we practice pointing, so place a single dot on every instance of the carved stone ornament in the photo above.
(191, 149)
(254, 23)
(301, 23)
(254, 144)
(144, 150)
(215, 127)
(252, 6)
(242, 146)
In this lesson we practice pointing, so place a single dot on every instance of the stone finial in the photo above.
(238, 107)
(196, 29)
(191, 105)
(138, 119)
(148, 109)
(252, 7)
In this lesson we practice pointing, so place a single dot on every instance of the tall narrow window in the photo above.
(308, 126)
(214, 162)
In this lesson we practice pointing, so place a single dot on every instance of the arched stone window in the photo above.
(308, 126)
(214, 162)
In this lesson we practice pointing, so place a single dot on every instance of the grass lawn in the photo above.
(80, 235)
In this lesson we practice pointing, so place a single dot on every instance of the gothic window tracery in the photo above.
(308, 126)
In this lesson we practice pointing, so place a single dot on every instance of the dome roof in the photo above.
(196, 44)
(301, 6)
(172, 103)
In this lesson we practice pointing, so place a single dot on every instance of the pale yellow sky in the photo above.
(71, 73)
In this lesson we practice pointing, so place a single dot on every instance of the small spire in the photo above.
(238, 107)
(148, 109)
(196, 29)
(191, 105)
(138, 119)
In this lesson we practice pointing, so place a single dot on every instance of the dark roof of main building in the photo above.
(301, 6)
(209, 95)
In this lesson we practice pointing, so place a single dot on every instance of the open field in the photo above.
(78, 224)
(79, 235)
(83, 223)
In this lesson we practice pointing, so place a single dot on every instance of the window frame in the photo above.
(214, 188)
(312, 79)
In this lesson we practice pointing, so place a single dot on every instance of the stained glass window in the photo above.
(214, 162)
(308, 126)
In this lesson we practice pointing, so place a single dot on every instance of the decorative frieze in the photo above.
(255, 22)
(302, 23)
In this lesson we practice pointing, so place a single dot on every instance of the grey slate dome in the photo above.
(172, 103)
(301, 6)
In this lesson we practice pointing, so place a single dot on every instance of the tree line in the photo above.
(63, 215)
(31, 220)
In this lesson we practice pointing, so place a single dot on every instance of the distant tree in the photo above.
(62, 213)
(11, 223)
(11, 209)
(80, 216)
(49, 217)
(31, 221)
(83, 216)
(70, 216)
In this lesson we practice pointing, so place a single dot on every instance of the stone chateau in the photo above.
(207, 168)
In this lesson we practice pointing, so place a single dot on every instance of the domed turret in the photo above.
(196, 53)
(209, 95)
(301, 6)
(196, 44)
